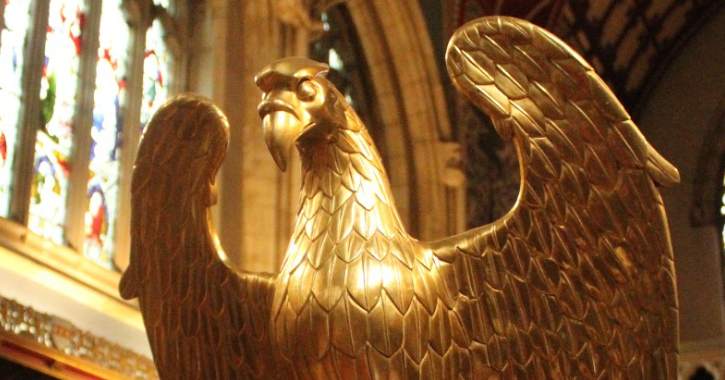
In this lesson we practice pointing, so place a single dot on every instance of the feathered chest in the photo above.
(353, 280)
(344, 301)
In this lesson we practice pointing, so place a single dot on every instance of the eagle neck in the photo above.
(345, 194)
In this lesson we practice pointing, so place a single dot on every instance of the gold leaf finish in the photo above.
(575, 282)
(204, 320)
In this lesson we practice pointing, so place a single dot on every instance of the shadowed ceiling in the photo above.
(628, 42)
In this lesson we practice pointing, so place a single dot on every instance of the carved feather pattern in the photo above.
(204, 320)
(577, 281)
(356, 289)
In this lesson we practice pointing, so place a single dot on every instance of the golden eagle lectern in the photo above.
(575, 282)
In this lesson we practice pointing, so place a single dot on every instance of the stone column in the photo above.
(257, 202)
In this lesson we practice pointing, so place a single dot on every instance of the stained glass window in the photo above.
(100, 217)
(58, 100)
(80, 67)
(155, 72)
(16, 20)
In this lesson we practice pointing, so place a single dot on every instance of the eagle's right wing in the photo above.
(204, 320)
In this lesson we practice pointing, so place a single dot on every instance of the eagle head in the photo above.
(299, 106)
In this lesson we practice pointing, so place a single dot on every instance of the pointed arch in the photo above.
(412, 109)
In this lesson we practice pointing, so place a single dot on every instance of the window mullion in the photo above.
(131, 134)
(30, 113)
(2, 19)
(78, 181)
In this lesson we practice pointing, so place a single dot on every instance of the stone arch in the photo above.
(411, 105)
(702, 370)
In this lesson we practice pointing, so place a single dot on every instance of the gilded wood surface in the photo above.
(575, 282)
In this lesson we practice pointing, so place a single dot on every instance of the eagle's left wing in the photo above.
(577, 280)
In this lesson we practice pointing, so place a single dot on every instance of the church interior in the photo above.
(79, 80)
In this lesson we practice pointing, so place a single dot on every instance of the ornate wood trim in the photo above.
(56, 347)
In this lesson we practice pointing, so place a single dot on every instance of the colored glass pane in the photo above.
(58, 99)
(106, 132)
(16, 18)
(155, 72)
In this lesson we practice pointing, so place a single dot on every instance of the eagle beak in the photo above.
(281, 127)
(280, 134)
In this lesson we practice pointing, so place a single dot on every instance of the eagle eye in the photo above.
(306, 91)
